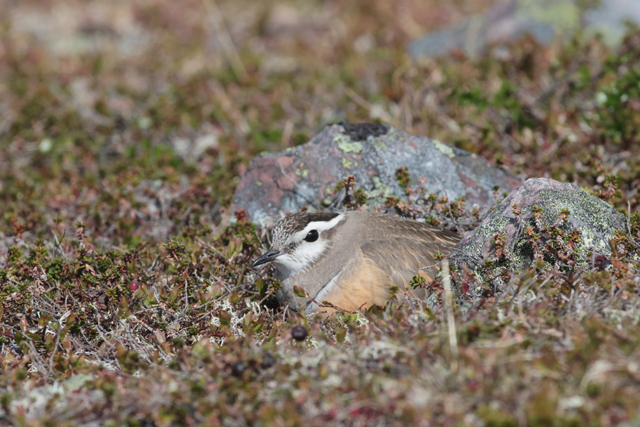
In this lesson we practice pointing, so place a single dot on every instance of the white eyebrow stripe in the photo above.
(320, 225)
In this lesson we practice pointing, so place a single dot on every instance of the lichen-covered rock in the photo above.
(560, 224)
(279, 182)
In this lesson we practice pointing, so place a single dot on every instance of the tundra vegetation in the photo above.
(126, 299)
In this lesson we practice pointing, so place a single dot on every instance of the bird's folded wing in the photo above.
(403, 254)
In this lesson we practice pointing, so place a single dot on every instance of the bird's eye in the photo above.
(312, 236)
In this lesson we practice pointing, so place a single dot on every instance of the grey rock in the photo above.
(543, 19)
(278, 182)
(594, 219)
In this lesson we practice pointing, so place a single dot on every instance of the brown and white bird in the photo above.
(351, 259)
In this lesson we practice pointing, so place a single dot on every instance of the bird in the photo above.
(351, 259)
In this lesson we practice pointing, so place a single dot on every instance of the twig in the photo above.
(267, 295)
(629, 219)
(217, 252)
(36, 359)
(451, 324)
(244, 269)
(186, 295)
(58, 242)
(327, 304)
(7, 334)
(54, 351)
(287, 132)
(225, 40)
(241, 275)
(427, 267)
(367, 106)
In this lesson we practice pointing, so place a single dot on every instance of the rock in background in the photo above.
(278, 182)
(542, 19)
(571, 227)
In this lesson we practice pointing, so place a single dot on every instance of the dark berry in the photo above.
(237, 369)
(148, 422)
(602, 262)
(268, 360)
(299, 333)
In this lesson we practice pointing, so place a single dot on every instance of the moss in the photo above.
(562, 14)
(495, 417)
(402, 175)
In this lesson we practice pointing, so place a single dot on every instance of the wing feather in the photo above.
(402, 247)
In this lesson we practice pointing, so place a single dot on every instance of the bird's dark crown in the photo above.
(298, 221)
(294, 223)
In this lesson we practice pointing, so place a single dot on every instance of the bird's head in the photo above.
(299, 240)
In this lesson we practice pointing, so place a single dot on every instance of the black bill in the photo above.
(266, 257)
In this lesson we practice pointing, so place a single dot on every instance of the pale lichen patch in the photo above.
(346, 145)
(443, 148)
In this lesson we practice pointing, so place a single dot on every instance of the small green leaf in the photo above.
(417, 282)
(234, 298)
(230, 250)
(201, 348)
(247, 320)
(299, 292)
(121, 352)
(70, 320)
(44, 319)
(19, 336)
(260, 286)
(225, 318)
(393, 291)
(341, 334)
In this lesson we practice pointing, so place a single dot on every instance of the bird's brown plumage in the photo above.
(367, 253)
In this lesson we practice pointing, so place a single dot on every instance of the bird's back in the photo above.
(375, 251)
